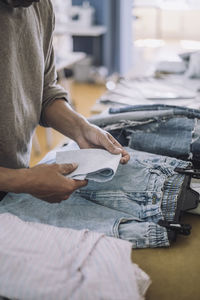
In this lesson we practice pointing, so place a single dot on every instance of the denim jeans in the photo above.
(175, 110)
(173, 131)
(171, 137)
(137, 116)
(128, 207)
(143, 112)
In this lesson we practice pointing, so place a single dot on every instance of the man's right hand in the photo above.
(48, 182)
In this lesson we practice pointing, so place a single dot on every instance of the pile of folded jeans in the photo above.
(158, 128)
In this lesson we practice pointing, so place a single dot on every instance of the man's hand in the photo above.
(94, 137)
(48, 182)
(60, 116)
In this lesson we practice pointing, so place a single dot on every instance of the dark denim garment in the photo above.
(172, 137)
(134, 116)
(173, 131)
(177, 110)
(140, 113)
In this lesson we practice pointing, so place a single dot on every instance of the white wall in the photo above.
(167, 24)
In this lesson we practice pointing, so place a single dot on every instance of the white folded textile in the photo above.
(45, 262)
(93, 164)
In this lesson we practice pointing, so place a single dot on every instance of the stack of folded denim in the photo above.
(161, 129)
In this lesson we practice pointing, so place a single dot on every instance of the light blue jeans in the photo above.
(128, 207)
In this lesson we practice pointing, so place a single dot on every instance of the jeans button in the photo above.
(154, 199)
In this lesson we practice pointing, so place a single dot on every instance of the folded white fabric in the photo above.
(93, 164)
(45, 262)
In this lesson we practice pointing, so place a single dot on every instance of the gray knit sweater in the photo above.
(27, 78)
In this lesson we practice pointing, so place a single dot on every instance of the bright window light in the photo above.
(151, 43)
(190, 45)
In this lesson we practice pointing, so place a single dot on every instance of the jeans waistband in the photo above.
(172, 189)
(2, 195)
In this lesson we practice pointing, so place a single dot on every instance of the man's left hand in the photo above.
(60, 116)
(94, 137)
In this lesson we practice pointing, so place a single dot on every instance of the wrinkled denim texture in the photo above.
(128, 207)
(172, 137)
(176, 110)
(136, 116)
(173, 131)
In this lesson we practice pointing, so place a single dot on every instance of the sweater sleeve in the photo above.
(51, 90)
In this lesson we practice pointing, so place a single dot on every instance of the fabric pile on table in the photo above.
(45, 262)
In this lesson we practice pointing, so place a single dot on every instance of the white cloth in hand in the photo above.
(93, 164)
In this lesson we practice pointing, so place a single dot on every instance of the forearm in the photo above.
(60, 116)
(12, 180)
(47, 182)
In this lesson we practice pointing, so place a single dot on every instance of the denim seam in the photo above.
(168, 209)
(118, 221)
(177, 185)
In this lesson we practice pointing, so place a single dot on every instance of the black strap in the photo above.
(2, 195)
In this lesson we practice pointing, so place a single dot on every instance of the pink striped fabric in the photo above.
(39, 261)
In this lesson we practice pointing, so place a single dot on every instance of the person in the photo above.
(29, 95)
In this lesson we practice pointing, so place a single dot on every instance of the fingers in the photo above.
(48, 182)
(65, 169)
(80, 183)
(115, 142)
(113, 146)
(110, 144)
(69, 168)
(69, 187)
(125, 156)
(94, 137)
